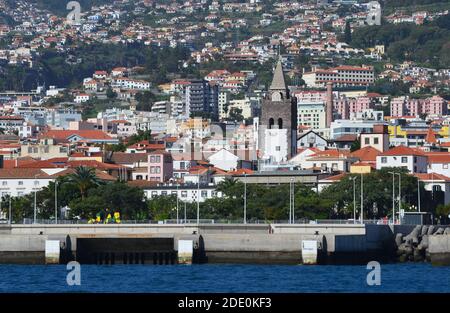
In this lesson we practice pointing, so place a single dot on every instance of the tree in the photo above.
(347, 33)
(235, 115)
(110, 94)
(162, 207)
(356, 145)
(84, 178)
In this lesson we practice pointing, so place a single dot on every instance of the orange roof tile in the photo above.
(402, 150)
(366, 154)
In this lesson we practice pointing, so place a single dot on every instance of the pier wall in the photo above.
(439, 248)
(260, 243)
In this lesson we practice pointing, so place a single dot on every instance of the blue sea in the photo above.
(400, 278)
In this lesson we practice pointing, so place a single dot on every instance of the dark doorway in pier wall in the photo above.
(126, 251)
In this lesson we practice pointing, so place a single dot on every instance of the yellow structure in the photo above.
(361, 168)
(443, 132)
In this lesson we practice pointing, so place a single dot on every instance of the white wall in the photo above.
(420, 166)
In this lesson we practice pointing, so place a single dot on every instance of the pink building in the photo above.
(359, 104)
(341, 106)
(436, 106)
(398, 106)
(160, 166)
(402, 106)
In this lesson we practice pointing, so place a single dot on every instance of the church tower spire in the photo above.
(278, 84)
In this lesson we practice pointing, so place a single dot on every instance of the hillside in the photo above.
(426, 44)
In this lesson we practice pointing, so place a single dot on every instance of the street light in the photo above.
(399, 195)
(198, 199)
(177, 202)
(35, 206)
(293, 202)
(393, 197)
(56, 202)
(354, 199)
(362, 198)
(418, 194)
(245, 198)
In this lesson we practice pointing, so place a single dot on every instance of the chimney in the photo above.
(329, 105)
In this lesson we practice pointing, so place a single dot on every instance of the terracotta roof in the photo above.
(402, 150)
(438, 157)
(431, 176)
(128, 158)
(335, 178)
(22, 173)
(64, 134)
(241, 171)
(348, 137)
(331, 153)
(431, 136)
(366, 154)
(100, 175)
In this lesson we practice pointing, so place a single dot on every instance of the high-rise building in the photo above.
(200, 96)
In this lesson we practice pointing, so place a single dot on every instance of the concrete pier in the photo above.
(212, 243)
(439, 247)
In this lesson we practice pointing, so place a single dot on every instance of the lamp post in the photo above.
(418, 194)
(362, 198)
(293, 202)
(35, 205)
(185, 216)
(56, 202)
(245, 198)
(198, 199)
(10, 210)
(393, 197)
(399, 195)
(177, 203)
(354, 199)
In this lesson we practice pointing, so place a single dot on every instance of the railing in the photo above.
(28, 221)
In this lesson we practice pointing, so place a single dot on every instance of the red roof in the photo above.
(431, 176)
(402, 150)
(64, 134)
(366, 154)
(431, 136)
(438, 157)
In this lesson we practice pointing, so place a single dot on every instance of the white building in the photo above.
(412, 159)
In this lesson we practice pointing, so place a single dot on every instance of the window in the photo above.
(158, 169)
(445, 166)
(184, 194)
(164, 193)
(36, 183)
(366, 141)
(182, 165)
(154, 193)
(383, 159)
(204, 193)
(20, 183)
(4, 183)
(404, 159)
(158, 159)
(375, 140)
(152, 159)
(277, 148)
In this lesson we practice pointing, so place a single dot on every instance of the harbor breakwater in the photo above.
(220, 243)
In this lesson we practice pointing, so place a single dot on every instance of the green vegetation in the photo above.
(55, 68)
(87, 196)
(426, 44)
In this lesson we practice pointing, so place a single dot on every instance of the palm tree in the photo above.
(229, 186)
(84, 178)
